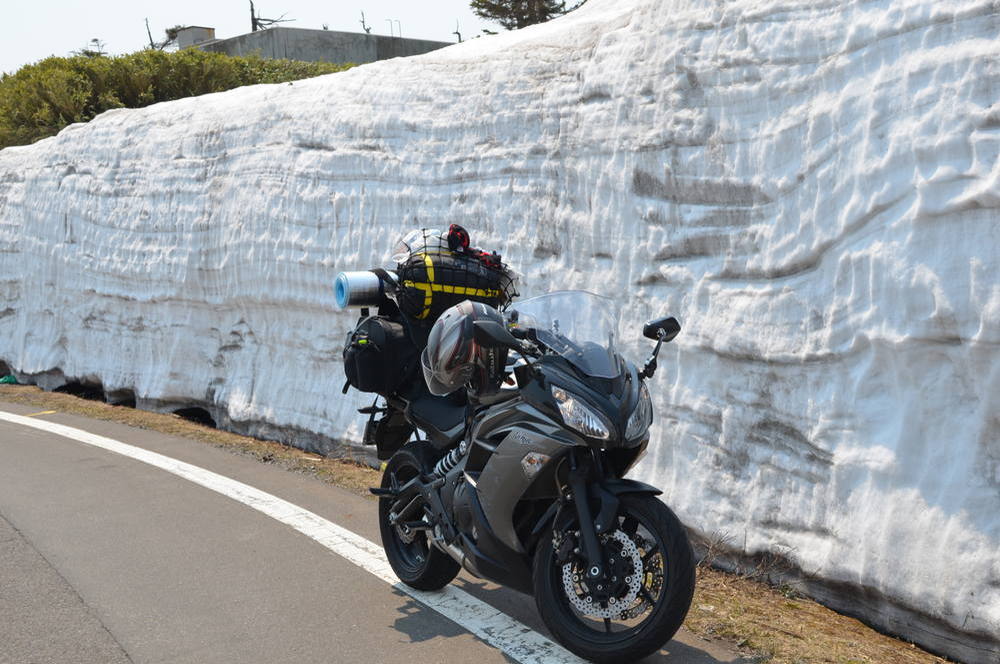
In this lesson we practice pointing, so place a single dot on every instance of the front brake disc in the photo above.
(581, 598)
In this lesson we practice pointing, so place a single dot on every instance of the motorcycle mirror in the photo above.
(492, 334)
(669, 325)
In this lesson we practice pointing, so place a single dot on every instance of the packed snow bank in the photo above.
(812, 188)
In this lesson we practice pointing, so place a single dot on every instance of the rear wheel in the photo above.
(643, 600)
(413, 558)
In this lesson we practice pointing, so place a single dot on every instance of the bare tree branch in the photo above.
(257, 22)
(169, 37)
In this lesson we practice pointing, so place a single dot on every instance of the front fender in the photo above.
(622, 487)
(607, 493)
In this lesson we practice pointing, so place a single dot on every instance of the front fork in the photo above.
(585, 470)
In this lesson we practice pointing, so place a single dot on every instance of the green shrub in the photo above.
(40, 99)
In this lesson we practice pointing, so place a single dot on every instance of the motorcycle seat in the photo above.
(440, 417)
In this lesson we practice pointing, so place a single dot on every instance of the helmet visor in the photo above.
(442, 383)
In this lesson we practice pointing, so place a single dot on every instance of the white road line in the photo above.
(496, 628)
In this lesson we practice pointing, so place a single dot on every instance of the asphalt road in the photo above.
(105, 558)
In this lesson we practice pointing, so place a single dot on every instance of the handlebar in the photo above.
(530, 345)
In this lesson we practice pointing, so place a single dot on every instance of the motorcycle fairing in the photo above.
(518, 428)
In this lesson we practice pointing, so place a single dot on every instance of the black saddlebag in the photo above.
(379, 356)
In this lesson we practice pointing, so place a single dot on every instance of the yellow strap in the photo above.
(430, 268)
(430, 289)
(455, 290)
(425, 287)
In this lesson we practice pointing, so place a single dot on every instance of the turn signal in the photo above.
(533, 462)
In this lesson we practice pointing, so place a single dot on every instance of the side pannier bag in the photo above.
(378, 355)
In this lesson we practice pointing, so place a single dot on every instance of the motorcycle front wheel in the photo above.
(413, 558)
(643, 601)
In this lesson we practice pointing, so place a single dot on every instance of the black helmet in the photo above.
(453, 358)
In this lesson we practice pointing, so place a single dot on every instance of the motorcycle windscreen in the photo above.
(578, 325)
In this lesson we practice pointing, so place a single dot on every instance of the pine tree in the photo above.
(513, 14)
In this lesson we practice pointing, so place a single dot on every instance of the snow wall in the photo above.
(811, 187)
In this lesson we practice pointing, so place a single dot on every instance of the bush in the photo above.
(40, 99)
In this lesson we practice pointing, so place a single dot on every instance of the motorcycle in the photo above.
(525, 486)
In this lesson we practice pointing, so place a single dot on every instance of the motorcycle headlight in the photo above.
(641, 417)
(580, 416)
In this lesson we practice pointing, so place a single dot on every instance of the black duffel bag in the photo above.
(378, 356)
(433, 281)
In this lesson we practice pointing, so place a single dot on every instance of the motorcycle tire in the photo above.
(667, 580)
(417, 562)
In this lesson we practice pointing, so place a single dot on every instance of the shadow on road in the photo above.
(413, 623)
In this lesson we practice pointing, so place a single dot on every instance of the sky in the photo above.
(35, 30)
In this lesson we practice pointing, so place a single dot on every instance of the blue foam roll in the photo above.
(341, 291)
(358, 289)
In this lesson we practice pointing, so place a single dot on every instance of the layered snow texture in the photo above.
(811, 187)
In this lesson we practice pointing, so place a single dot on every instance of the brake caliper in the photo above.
(563, 544)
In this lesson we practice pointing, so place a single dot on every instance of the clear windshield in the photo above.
(578, 325)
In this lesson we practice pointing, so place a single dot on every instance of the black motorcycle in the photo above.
(525, 486)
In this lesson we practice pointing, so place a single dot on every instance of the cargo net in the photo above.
(437, 272)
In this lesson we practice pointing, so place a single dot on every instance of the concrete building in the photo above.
(193, 35)
(320, 45)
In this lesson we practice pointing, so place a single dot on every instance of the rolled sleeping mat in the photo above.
(359, 289)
